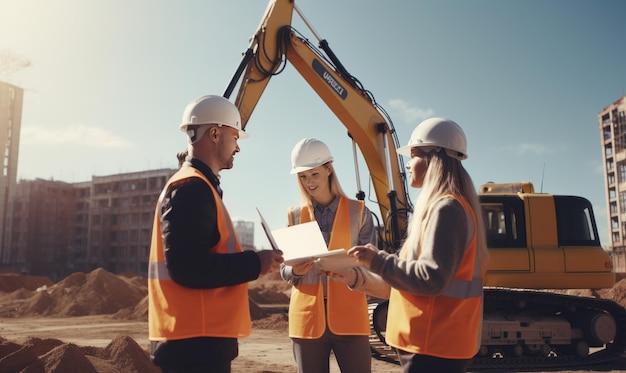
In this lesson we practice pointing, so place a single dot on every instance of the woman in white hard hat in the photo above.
(324, 314)
(435, 306)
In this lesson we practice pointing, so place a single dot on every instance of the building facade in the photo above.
(120, 217)
(245, 234)
(38, 232)
(612, 121)
(11, 99)
(57, 228)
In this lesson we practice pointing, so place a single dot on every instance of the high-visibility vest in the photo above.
(346, 310)
(449, 325)
(178, 312)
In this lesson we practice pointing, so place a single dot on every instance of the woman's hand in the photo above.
(364, 254)
(302, 268)
(347, 276)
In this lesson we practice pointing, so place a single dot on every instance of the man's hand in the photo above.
(270, 260)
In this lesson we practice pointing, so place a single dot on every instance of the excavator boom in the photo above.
(276, 42)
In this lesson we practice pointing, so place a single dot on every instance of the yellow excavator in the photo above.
(540, 244)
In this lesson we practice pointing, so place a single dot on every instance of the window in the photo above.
(622, 199)
(621, 169)
(504, 221)
(575, 222)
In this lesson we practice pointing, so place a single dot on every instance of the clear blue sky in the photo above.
(525, 79)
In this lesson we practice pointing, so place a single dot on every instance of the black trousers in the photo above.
(195, 355)
(414, 363)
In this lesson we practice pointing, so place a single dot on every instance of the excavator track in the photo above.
(534, 305)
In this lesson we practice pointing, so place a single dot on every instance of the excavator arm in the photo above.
(273, 45)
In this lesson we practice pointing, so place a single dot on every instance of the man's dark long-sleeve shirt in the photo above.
(189, 229)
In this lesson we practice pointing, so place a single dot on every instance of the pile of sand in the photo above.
(123, 354)
(97, 293)
(10, 282)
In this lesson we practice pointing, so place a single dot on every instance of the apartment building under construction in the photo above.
(57, 228)
(612, 121)
(11, 99)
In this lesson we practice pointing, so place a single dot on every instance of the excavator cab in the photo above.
(542, 241)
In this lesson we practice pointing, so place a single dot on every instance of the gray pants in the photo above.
(352, 352)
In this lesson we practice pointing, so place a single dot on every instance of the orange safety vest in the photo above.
(448, 325)
(346, 310)
(178, 312)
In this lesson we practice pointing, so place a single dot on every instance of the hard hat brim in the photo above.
(302, 169)
(405, 150)
(307, 167)
(243, 134)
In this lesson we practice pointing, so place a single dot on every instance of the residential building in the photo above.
(245, 233)
(38, 234)
(121, 213)
(11, 98)
(612, 121)
(57, 228)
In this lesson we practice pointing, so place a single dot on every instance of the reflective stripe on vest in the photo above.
(448, 325)
(346, 310)
(464, 289)
(178, 312)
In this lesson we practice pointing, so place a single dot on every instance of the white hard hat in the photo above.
(438, 132)
(210, 110)
(308, 154)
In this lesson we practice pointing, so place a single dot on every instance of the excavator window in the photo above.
(504, 221)
(575, 222)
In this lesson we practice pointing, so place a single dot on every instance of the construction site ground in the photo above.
(97, 322)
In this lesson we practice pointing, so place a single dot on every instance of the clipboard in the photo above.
(267, 231)
(302, 242)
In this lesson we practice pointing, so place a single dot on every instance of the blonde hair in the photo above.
(333, 182)
(445, 176)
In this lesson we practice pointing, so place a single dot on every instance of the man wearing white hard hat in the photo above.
(198, 274)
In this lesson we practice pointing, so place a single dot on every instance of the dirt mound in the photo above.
(276, 321)
(98, 292)
(123, 354)
(137, 312)
(617, 293)
(10, 282)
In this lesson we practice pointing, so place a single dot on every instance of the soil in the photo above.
(97, 322)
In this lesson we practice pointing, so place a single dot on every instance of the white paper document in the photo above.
(305, 241)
